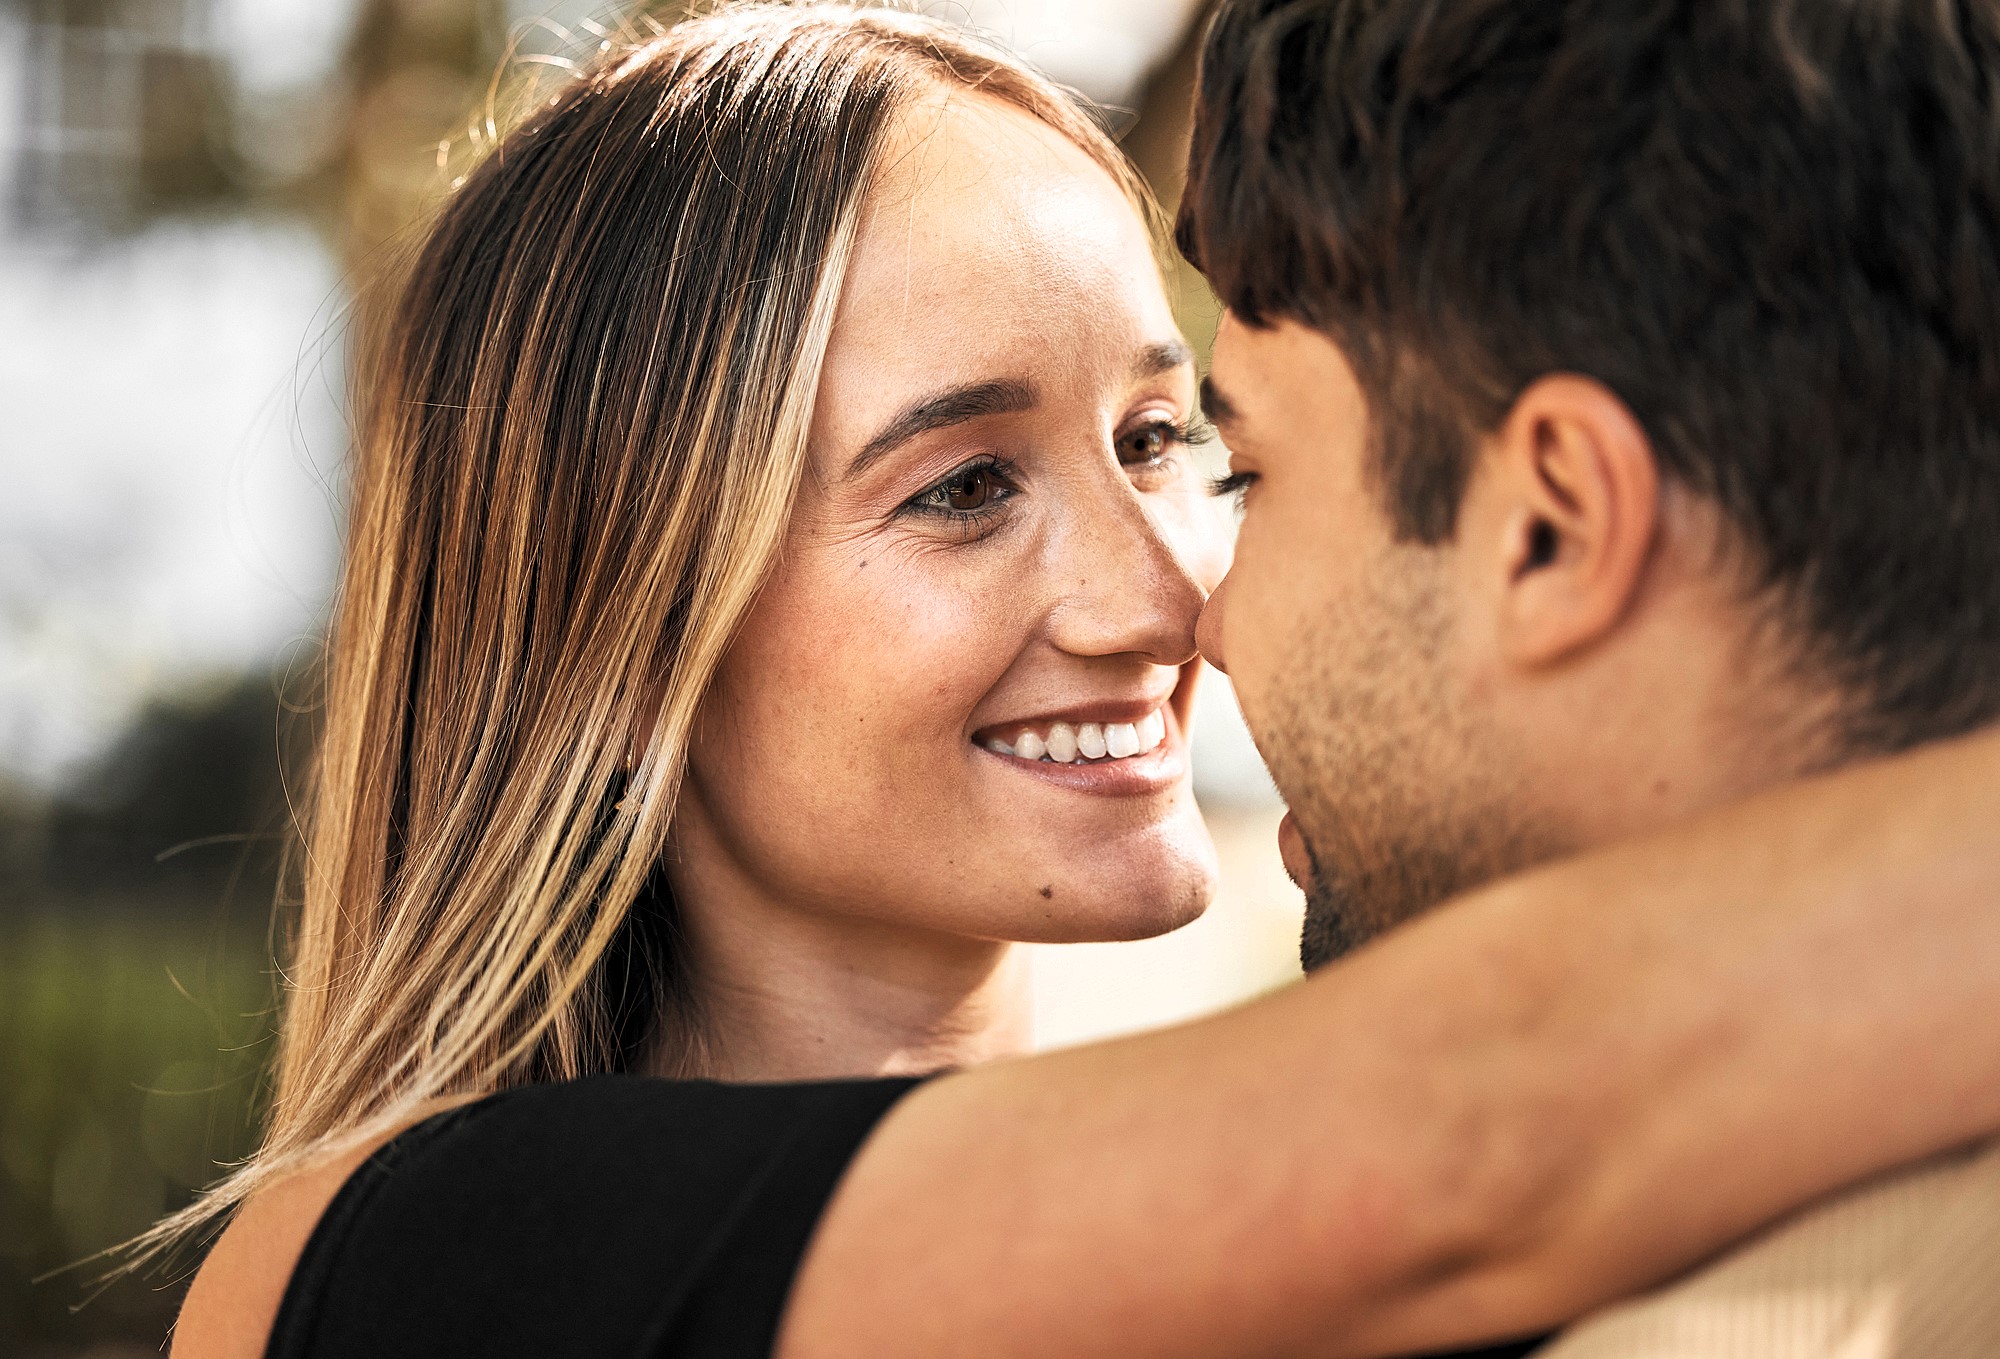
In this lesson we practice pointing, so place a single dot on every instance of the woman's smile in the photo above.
(1118, 747)
(1068, 740)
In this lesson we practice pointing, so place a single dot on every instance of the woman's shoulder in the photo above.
(234, 1299)
(591, 1204)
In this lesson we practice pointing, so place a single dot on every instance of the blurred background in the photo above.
(186, 189)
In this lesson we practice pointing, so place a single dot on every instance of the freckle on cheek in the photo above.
(1048, 892)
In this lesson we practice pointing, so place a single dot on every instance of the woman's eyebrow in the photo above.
(941, 410)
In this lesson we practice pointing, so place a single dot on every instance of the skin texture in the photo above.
(1581, 662)
(851, 860)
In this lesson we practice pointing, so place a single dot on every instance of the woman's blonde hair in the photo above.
(580, 434)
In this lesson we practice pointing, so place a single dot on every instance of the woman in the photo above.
(771, 595)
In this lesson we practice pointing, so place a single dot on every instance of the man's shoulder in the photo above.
(1907, 1264)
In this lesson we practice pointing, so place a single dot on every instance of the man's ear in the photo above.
(1579, 492)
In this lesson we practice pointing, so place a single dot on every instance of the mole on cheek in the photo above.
(1048, 892)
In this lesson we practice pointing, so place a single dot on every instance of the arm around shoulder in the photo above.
(1559, 1090)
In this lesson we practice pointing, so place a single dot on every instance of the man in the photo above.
(1614, 395)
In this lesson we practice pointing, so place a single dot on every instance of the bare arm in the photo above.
(1558, 1090)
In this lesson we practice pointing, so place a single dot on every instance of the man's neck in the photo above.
(1700, 700)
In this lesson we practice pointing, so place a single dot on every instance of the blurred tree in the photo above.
(192, 794)
(419, 73)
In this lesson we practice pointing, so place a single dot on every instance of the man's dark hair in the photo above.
(1772, 227)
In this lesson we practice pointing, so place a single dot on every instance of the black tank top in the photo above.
(615, 1217)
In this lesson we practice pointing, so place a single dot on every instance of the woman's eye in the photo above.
(1153, 443)
(1149, 444)
(968, 490)
(975, 491)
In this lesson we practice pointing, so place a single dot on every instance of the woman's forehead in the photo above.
(976, 196)
(993, 250)
(956, 137)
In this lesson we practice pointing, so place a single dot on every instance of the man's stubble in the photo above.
(1397, 782)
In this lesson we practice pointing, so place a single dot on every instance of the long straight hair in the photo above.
(580, 434)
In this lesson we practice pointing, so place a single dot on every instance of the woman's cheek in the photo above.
(933, 649)
(874, 658)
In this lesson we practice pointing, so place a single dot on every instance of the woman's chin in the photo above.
(1115, 900)
(1137, 920)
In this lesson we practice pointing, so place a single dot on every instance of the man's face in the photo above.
(1350, 655)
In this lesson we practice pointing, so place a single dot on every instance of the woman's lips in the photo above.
(1156, 770)
(1085, 748)
(1062, 742)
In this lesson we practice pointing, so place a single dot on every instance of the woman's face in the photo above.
(962, 702)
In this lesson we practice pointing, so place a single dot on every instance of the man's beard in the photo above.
(1334, 925)
(1346, 907)
(1401, 792)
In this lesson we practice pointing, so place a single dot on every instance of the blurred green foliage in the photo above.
(130, 1050)
(136, 991)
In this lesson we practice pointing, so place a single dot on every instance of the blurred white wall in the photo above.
(170, 432)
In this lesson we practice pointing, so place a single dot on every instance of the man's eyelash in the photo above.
(1195, 430)
(1236, 483)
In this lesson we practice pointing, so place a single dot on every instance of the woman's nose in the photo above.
(1135, 582)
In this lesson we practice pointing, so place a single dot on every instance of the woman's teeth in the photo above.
(1062, 743)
